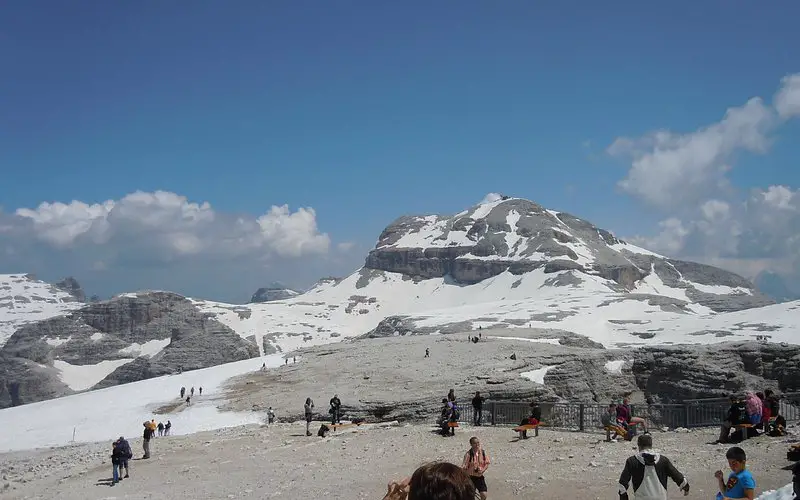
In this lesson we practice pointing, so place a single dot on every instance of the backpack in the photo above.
(456, 412)
(323, 430)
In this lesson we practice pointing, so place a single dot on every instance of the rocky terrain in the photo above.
(256, 462)
(145, 335)
(390, 378)
(273, 292)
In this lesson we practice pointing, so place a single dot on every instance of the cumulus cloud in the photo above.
(670, 169)
(684, 175)
(169, 223)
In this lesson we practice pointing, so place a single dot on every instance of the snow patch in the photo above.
(149, 348)
(537, 341)
(97, 336)
(721, 289)
(615, 367)
(57, 341)
(537, 375)
(82, 377)
(785, 493)
(51, 423)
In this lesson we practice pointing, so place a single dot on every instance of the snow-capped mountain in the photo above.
(24, 299)
(509, 263)
(513, 263)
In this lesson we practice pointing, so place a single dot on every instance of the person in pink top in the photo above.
(754, 408)
(476, 461)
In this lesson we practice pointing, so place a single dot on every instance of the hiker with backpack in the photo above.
(649, 471)
(125, 454)
(476, 461)
(146, 436)
(160, 429)
(446, 417)
(167, 428)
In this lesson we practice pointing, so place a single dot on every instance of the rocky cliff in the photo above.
(390, 378)
(520, 236)
(150, 334)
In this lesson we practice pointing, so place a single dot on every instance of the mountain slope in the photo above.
(774, 286)
(24, 299)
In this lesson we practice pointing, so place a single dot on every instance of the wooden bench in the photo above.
(452, 424)
(620, 431)
(528, 427)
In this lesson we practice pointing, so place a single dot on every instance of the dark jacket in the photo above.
(477, 402)
(649, 472)
(124, 449)
(147, 434)
(116, 454)
(335, 403)
(737, 413)
(536, 412)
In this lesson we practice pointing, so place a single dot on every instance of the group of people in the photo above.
(618, 420)
(647, 472)
(121, 451)
(335, 411)
(446, 480)
(449, 415)
(761, 410)
(190, 395)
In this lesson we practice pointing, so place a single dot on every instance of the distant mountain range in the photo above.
(509, 263)
(775, 286)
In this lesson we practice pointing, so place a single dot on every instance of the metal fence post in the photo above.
(686, 415)
(581, 412)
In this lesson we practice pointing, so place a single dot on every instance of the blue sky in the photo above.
(365, 111)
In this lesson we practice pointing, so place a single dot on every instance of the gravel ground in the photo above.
(280, 461)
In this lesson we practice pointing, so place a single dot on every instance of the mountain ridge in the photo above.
(507, 264)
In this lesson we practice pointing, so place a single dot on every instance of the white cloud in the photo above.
(669, 170)
(491, 197)
(705, 219)
(787, 100)
(169, 223)
(345, 246)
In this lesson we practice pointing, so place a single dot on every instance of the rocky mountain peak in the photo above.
(272, 292)
(72, 287)
(520, 236)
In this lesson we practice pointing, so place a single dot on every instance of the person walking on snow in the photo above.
(649, 471)
(270, 416)
(427, 353)
(160, 429)
(201, 391)
(183, 392)
(167, 428)
(191, 393)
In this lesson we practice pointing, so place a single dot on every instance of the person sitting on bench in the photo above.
(610, 424)
(737, 415)
(534, 419)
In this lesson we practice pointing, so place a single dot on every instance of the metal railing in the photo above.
(581, 416)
